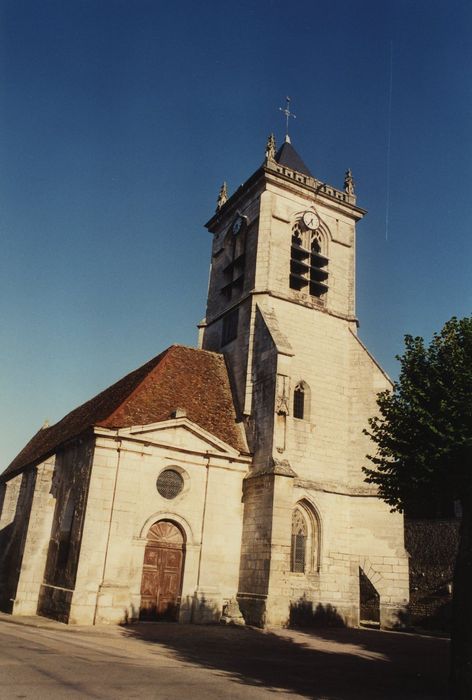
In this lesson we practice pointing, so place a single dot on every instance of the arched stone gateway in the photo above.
(163, 566)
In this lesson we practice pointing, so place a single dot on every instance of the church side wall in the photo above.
(225, 247)
(235, 352)
(366, 380)
(379, 540)
(70, 488)
(317, 447)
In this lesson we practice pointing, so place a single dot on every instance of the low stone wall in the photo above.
(432, 546)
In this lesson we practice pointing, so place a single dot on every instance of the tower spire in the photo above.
(222, 196)
(270, 149)
(288, 114)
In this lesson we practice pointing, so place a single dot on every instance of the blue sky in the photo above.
(119, 120)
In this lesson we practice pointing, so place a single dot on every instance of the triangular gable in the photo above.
(178, 432)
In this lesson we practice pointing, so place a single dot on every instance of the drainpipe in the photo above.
(202, 531)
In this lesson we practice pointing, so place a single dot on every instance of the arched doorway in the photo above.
(162, 572)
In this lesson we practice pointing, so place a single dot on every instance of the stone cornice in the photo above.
(284, 297)
(291, 180)
(338, 489)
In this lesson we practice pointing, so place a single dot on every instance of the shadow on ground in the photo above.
(328, 664)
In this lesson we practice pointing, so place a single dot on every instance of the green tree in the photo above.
(423, 435)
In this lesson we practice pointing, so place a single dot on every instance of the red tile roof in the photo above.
(180, 377)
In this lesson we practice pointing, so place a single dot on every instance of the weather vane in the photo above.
(288, 114)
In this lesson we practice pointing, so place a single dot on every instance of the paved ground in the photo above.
(43, 659)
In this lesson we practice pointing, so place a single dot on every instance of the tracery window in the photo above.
(299, 542)
(308, 266)
(305, 543)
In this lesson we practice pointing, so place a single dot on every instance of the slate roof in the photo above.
(180, 377)
(287, 155)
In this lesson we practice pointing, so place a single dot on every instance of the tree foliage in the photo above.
(423, 435)
(424, 428)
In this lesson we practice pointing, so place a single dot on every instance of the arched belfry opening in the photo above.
(309, 260)
(163, 567)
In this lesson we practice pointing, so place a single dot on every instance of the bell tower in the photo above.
(283, 239)
(281, 308)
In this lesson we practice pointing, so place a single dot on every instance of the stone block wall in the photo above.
(36, 542)
(326, 451)
(124, 503)
(281, 206)
(256, 548)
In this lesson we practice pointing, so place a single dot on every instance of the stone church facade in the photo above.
(224, 481)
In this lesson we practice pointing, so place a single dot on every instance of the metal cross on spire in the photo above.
(288, 114)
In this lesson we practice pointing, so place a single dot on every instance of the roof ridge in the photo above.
(197, 379)
(192, 347)
(107, 389)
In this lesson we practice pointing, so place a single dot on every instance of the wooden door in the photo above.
(162, 572)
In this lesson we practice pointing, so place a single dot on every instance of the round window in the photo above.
(169, 483)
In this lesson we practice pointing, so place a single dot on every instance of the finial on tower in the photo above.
(288, 114)
(270, 149)
(348, 182)
(222, 197)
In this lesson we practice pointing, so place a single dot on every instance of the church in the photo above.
(223, 482)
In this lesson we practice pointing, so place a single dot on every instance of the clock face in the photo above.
(237, 225)
(311, 220)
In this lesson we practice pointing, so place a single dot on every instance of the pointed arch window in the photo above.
(301, 401)
(305, 543)
(299, 542)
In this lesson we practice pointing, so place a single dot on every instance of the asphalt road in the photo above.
(170, 662)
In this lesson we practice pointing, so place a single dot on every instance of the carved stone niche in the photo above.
(282, 399)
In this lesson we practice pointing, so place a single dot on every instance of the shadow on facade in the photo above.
(304, 614)
(12, 540)
(195, 609)
(436, 618)
(334, 663)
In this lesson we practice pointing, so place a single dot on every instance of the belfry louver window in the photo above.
(235, 260)
(308, 267)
